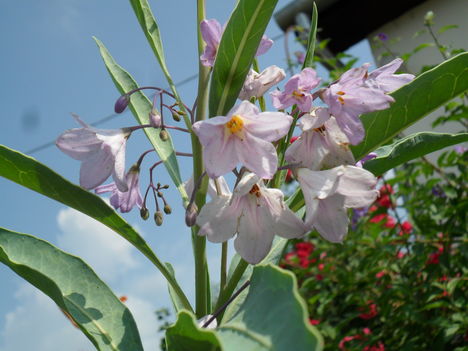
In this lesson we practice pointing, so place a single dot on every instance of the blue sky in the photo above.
(50, 67)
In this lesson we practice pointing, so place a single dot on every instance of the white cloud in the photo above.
(37, 324)
(104, 250)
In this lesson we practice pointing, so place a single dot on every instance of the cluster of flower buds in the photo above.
(247, 141)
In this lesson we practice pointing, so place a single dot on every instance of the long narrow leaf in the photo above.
(411, 147)
(28, 172)
(75, 288)
(236, 52)
(151, 30)
(141, 107)
(309, 58)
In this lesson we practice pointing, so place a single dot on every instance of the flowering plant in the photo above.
(250, 146)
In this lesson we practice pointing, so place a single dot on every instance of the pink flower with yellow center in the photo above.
(244, 136)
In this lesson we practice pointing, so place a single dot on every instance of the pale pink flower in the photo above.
(328, 193)
(256, 84)
(124, 201)
(297, 91)
(350, 97)
(223, 187)
(321, 145)
(101, 151)
(243, 136)
(212, 32)
(383, 78)
(253, 212)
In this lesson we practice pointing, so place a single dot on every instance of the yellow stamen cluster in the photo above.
(235, 125)
(255, 191)
(340, 99)
(297, 94)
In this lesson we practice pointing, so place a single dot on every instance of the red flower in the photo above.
(378, 218)
(386, 189)
(319, 277)
(366, 331)
(314, 321)
(380, 274)
(371, 311)
(379, 347)
(123, 298)
(406, 227)
(321, 266)
(385, 201)
(400, 255)
(304, 248)
(346, 339)
(390, 223)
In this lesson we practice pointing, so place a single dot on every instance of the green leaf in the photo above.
(273, 316)
(26, 171)
(186, 335)
(74, 287)
(413, 101)
(409, 148)
(236, 52)
(141, 107)
(447, 27)
(309, 58)
(176, 302)
(150, 28)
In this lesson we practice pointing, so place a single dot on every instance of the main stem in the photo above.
(202, 305)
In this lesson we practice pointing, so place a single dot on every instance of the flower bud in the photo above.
(175, 116)
(158, 218)
(121, 103)
(144, 213)
(160, 194)
(429, 18)
(167, 209)
(164, 135)
(155, 118)
(191, 214)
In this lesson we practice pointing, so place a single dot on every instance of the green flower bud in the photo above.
(175, 116)
(167, 209)
(164, 135)
(144, 213)
(158, 218)
(429, 18)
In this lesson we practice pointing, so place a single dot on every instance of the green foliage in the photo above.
(75, 288)
(250, 328)
(401, 272)
(411, 147)
(141, 107)
(413, 101)
(28, 172)
(186, 335)
(309, 57)
(236, 52)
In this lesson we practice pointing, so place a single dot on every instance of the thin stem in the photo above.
(226, 304)
(436, 41)
(199, 242)
(231, 285)
(224, 250)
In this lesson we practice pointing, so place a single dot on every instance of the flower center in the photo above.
(255, 191)
(235, 125)
(297, 94)
(340, 99)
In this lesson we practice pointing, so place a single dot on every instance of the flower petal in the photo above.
(332, 220)
(269, 126)
(258, 155)
(218, 219)
(96, 169)
(357, 185)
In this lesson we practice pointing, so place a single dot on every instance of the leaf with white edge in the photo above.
(409, 148)
(28, 172)
(309, 57)
(141, 106)
(413, 101)
(151, 30)
(236, 52)
(75, 288)
(186, 335)
(272, 317)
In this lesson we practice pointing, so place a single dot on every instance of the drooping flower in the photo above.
(321, 144)
(328, 193)
(243, 136)
(256, 84)
(223, 187)
(253, 212)
(384, 79)
(349, 97)
(212, 32)
(297, 91)
(124, 201)
(101, 151)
